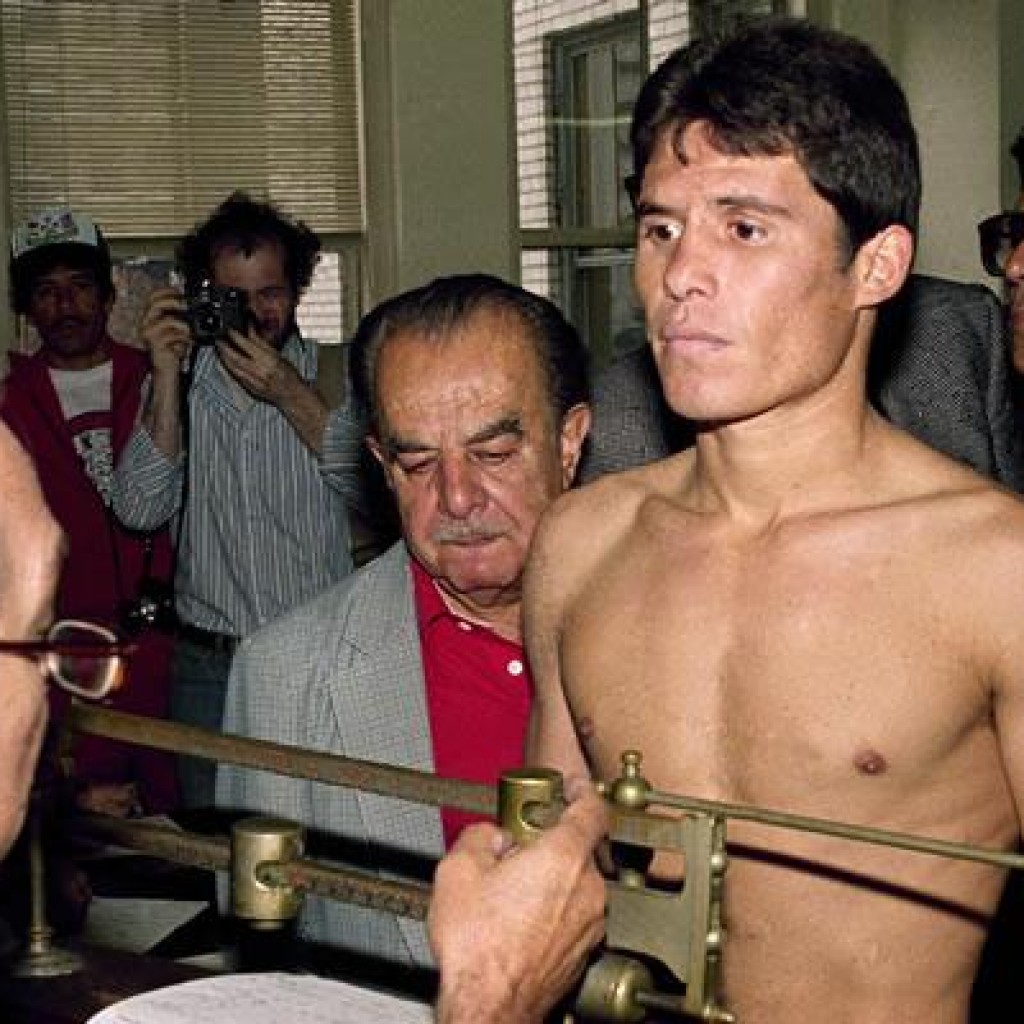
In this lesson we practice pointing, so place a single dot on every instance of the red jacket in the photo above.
(94, 582)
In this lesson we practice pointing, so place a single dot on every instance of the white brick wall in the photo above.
(534, 20)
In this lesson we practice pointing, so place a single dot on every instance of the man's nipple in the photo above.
(870, 762)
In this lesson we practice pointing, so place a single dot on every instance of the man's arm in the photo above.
(166, 336)
(551, 740)
(148, 475)
(511, 927)
(31, 550)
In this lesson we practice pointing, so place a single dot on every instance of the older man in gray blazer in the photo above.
(940, 369)
(476, 395)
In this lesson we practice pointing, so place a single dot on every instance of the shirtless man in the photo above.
(809, 611)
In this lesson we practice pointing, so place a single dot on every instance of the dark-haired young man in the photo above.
(476, 397)
(809, 610)
(236, 439)
(73, 405)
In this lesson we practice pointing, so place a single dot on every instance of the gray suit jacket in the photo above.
(344, 674)
(940, 369)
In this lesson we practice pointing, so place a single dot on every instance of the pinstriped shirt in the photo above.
(266, 525)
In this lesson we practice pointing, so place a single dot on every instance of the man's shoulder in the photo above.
(586, 521)
(375, 590)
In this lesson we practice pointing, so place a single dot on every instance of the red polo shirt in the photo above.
(478, 696)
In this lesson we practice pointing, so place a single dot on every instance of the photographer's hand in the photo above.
(166, 336)
(268, 376)
(164, 331)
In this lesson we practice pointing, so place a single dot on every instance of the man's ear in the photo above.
(882, 264)
(575, 424)
(380, 453)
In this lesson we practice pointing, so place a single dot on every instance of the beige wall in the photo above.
(440, 158)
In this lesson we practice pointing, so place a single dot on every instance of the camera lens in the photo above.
(209, 322)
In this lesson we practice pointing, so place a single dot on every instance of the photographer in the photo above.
(235, 439)
(73, 405)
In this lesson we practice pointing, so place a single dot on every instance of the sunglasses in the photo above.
(83, 658)
(999, 236)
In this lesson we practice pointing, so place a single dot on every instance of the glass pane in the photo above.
(708, 17)
(599, 301)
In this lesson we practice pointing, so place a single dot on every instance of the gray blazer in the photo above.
(344, 674)
(940, 369)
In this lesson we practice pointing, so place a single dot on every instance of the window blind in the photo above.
(146, 114)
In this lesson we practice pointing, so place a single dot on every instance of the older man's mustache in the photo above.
(465, 533)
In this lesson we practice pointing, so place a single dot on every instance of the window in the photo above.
(596, 73)
(146, 115)
(576, 80)
(709, 17)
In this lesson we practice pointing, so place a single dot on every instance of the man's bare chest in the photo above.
(824, 658)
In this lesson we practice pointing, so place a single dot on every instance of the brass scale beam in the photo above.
(639, 920)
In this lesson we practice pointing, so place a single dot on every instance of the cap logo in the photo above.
(56, 226)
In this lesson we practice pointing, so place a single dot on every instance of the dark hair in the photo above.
(244, 224)
(450, 302)
(782, 85)
(1017, 152)
(26, 269)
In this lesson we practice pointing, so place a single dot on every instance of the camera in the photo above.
(153, 608)
(212, 311)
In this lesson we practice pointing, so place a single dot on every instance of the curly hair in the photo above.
(244, 224)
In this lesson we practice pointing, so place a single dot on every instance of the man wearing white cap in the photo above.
(73, 405)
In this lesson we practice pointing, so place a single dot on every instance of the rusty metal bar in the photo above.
(841, 830)
(177, 845)
(385, 780)
(405, 898)
(425, 788)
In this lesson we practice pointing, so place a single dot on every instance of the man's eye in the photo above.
(661, 231)
(494, 456)
(414, 467)
(747, 231)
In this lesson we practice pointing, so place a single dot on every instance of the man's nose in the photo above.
(460, 487)
(1015, 265)
(67, 300)
(688, 269)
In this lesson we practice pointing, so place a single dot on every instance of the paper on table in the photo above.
(264, 999)
(136, 925)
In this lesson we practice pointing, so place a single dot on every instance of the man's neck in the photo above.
(80, 361)
(782, 465)
(502, 615)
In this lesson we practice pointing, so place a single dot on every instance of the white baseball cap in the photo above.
(55, 225)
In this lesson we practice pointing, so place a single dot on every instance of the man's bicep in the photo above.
(552, 741)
